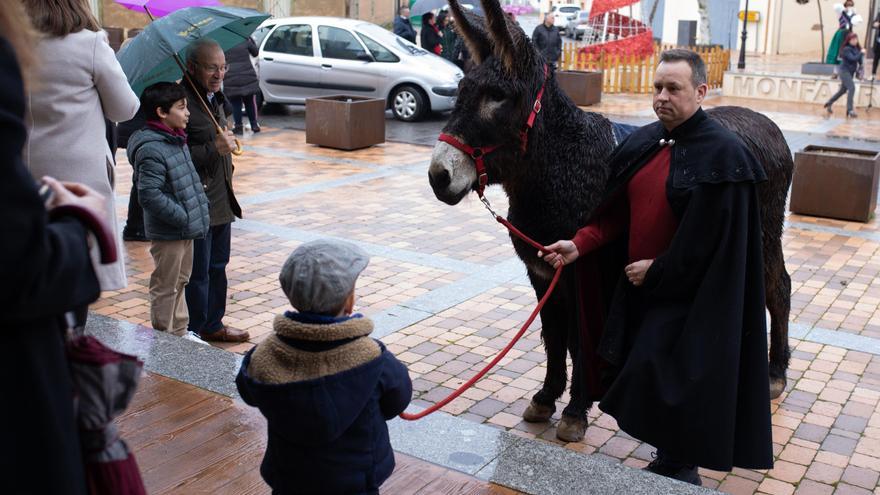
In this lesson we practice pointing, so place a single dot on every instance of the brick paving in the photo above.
(826, 426)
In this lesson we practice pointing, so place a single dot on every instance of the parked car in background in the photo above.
(563, 13)
(579, 27)
(305, 57)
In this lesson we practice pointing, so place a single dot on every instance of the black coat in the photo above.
(429, 38)
(404, 29)
(548, 42)
(241, 80)
(46, 271)
(328, 434)
(214, 169)
(688, 349)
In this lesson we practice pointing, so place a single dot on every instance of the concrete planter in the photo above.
(345, 122)
(835, 182)
(583, 87)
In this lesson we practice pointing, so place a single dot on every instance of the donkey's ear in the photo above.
(496, 22)
(473, 36)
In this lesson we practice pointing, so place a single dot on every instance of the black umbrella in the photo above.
(425, 6)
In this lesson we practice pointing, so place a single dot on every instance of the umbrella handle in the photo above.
(238, 151)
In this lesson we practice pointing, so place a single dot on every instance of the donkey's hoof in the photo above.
(571, 429)
(538, 413)
(777, 386)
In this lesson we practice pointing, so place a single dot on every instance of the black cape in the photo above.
(685, 354)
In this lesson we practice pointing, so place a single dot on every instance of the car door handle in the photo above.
(269, 59)
(326, 66)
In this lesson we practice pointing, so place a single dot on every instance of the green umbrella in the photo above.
(155, 54)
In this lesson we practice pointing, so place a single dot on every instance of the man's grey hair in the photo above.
(693, 59)
(195, 51)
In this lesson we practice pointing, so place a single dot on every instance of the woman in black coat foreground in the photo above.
(46, 272)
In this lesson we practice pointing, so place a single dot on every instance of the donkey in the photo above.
(551, 159)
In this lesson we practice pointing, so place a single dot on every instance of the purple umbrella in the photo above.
(159, 8)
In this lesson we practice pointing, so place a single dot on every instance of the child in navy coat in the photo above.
(325, 387)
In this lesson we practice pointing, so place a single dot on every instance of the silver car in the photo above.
(304, 57)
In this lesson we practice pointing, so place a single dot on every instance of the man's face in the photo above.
(210, 69)
(404, 13)
(548, 20)
(177, 116)
(675, 98)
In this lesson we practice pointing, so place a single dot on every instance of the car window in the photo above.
(380, 53)
(584, 16)
(568, 10)
(339, 43)
(295, 39)
(261, 33)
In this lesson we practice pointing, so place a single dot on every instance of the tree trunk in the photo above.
(705, 32)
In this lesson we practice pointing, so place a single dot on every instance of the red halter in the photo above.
(478, 153)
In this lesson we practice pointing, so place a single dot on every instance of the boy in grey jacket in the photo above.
(173, 199)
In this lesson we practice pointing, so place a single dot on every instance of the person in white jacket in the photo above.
(77, 85)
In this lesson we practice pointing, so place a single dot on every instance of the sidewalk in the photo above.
(447, 292)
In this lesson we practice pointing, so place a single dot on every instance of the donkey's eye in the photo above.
(496, 95)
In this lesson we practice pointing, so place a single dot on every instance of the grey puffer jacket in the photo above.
(169, 188)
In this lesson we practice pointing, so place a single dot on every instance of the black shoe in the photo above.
(669, 468)
(134, 236)
(255, 129)
(238, 130)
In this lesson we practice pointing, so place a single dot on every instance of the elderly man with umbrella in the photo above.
(200, 34)
(212, 155)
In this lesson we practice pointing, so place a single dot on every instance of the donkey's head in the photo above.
(495, 100)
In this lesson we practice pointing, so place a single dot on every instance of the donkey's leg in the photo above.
(778, 294)
(573, 425)
(554, 335)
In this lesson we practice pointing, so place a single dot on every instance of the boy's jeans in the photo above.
(173, 260)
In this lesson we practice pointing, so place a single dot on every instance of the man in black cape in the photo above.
(684, 345)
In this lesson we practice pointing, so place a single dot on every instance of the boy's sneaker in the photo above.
(255, 129)
(238, 130)
(194, 337)
(673, 469)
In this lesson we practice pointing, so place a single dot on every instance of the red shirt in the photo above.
(643, 207)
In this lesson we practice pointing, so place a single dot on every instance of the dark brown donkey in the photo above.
(557, 178)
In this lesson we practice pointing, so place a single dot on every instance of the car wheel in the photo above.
(408, 103)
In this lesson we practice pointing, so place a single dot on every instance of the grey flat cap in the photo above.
(319, 275)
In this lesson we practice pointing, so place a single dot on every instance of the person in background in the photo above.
(852, 57)
(547, 40)
(46, 272)
(81, 84)
(325, 387)
(451, 46)
(212, 155)
(876, 46)
(403, 26)
(431, 36)
(241, 84)
(173, 199)
(134, 221)
(846, 19)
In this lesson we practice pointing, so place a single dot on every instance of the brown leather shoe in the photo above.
(226, 334)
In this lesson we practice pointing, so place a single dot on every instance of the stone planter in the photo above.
(584, 88)
(345, 122)
(835, 182)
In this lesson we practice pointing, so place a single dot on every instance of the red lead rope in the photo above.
(500, 356)
(477, 155)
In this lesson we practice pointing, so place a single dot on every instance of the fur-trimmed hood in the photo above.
(312, 380)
